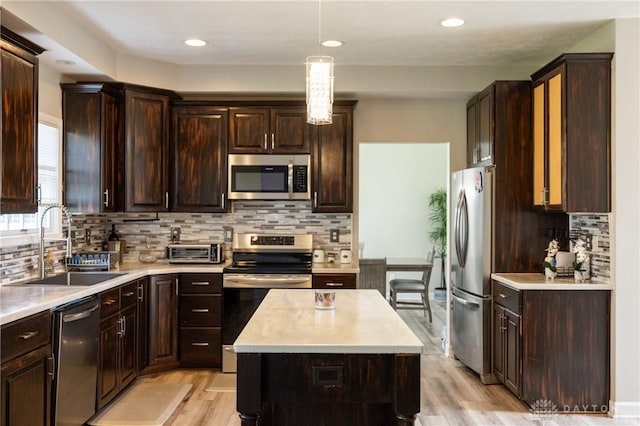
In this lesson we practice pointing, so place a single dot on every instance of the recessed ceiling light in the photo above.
(452, 22)
(332, 43)
(194, 42)
(65, 62)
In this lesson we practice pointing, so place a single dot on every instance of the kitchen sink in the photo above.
(76, 278)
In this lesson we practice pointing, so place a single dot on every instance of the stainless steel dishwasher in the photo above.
(76, 341)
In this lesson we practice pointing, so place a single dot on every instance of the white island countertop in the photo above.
(362, 322)
(533, 281)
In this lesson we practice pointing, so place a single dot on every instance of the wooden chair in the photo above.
(413, 286)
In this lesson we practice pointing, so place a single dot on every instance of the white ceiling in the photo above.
(376, 33)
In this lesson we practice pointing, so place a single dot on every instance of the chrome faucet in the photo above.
(67, 215)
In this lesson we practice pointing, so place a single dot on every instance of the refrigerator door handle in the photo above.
(464, 219)
(461, 234)
(465, 302)
(456, 229)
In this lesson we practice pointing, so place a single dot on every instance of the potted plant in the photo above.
(438, 234)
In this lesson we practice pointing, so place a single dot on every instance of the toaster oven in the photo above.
(195, 253)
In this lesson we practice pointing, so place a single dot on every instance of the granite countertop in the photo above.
(362, 322)
(534, 281)
(19, 301)
(335, 268)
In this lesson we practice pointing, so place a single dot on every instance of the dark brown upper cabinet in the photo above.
(572, 133)
(146, 150)
(19, 69)
(199, 158)
(270, 130)
(333, 164)
(93, 148)
(480, 129)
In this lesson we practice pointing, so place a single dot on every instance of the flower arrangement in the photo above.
(550, 268)
(581, 261)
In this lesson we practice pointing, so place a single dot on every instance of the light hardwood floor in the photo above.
(451, 393)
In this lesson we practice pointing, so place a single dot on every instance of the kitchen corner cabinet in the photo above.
(93, 149)
(201, 320)
(571, 133)
(270, 130)
(332, 183)
(334, 281)
(19, 174)
(163, 323)
(480, 128)
(26, 371)
(118, 345)
(199, 158)
(560, 350)
(146, 149)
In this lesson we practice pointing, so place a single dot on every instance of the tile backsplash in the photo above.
(597, 226)
(149, 233)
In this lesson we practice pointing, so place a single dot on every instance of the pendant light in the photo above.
(319, 72)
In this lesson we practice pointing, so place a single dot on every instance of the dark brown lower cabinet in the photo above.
(201, 320)
(557, 350)
(163, 323)
(117, 353)
(506, 348)
(26, 372)
(328, 389)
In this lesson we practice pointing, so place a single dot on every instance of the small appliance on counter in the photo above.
(196, 253)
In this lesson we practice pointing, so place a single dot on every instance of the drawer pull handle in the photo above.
(503, 296)
(129, 294)
(200, 283)
(110, 302)
(29, 335)
(200, 344)
(335, 284)
(200, 311)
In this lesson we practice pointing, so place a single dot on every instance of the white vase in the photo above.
(584, 273)
(549, 274)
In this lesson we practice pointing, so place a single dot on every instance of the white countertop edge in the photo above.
(132, 271)
(533, 281)
(328, 349)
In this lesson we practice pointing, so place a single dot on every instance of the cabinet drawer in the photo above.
(128, 294)
(507, 297)
(200, 283)
(335, 281)
(110, 302)
(201, 310)
(200, 347)
(25, 335)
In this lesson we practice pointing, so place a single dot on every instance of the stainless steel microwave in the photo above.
(269, 177)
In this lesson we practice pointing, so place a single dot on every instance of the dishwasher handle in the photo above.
(80, 315)
(465, 302)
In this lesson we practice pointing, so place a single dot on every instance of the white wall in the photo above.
(626, 216)
(395, 182)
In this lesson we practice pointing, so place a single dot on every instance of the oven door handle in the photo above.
(266, 282)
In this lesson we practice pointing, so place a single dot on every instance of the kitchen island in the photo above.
(356, 364)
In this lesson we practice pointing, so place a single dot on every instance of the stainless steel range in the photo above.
(260, 262)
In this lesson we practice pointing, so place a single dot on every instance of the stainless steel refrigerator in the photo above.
(472, 201)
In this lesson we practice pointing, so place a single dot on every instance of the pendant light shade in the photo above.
(319, 89)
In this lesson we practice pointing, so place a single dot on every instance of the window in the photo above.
(49, 168)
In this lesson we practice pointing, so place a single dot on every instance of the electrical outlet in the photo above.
(588, 240)
(175, 234)
(334, 235)
(228, 234)
(87, 236)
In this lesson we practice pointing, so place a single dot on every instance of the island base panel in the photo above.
(321, 389)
